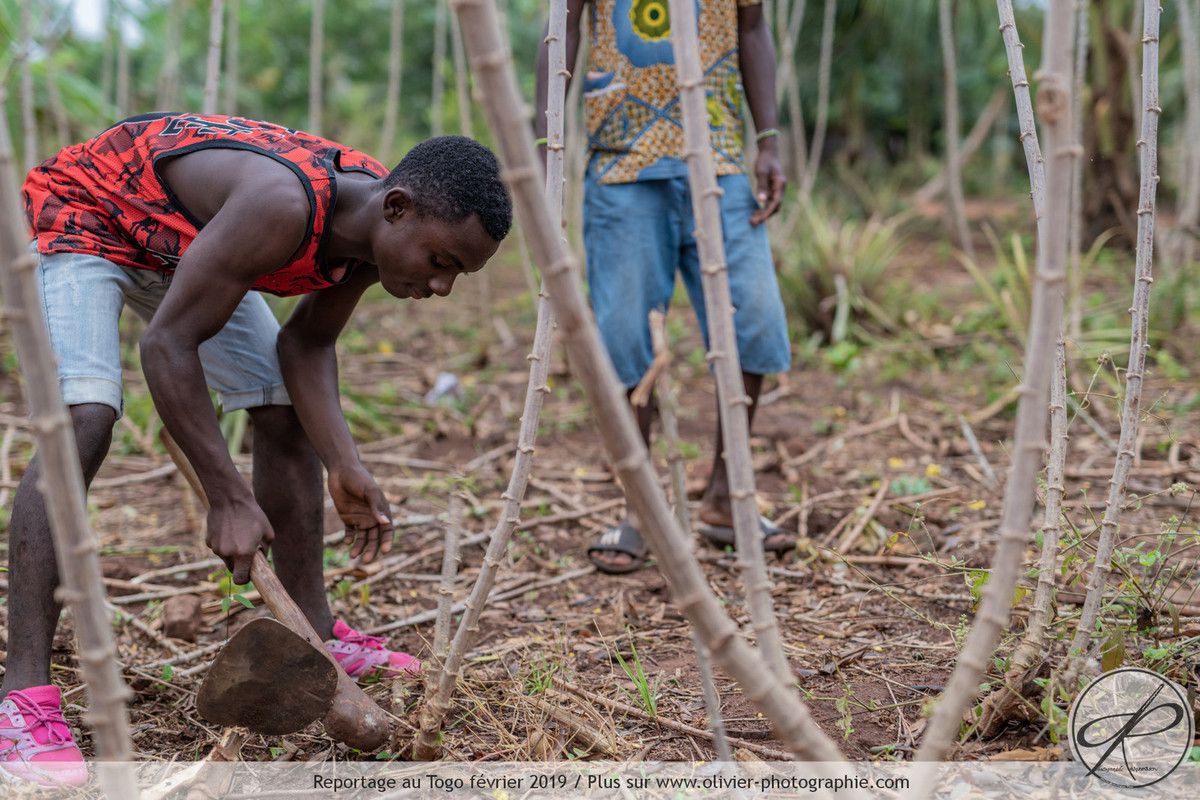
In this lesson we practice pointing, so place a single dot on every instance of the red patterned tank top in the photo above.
(105, 197)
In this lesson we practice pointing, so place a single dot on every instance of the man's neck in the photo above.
(355, 213)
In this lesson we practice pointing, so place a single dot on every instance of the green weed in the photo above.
(647, 694)
(832, 279)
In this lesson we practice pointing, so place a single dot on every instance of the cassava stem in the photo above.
(1045, 319)
(1131, 407)
(61, 485)
(723, 354)
(492, 64)
(670, 426)
(997, 706)
(426, 745)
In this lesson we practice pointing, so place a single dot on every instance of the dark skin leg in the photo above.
(715, 507)
(32, 572)
(288, 488)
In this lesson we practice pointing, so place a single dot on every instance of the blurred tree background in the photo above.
(886, 108)
(883, 154)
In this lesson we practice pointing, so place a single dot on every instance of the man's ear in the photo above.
(396, 203)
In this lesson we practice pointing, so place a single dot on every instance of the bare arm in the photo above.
(216, 271)
(757, 54)
(308, 358)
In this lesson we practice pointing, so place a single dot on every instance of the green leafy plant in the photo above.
(541, 676)
(832, 277)
(647, 694)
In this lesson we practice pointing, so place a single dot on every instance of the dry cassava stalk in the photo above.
(1075, 241)
(212, 74)
(316, 65)
(723, 354)
(437, 704)
(168, 76)
(824, 73)
(954, 186)
(462, 90)
(61, 485)
(788, 81)
(391, 101)
(450, 556)
(670, 424)
(1054, 105)
(438, 88)
(28, 120)
(1131, 408)
(1029, 138)
(229, 97)
(998, 706)
(492, 66)
(970, 146)
(123, 78)
(1184, 250)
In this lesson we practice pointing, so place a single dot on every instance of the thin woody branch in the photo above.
(1045, 320)
(492, 65)
(723, 355)
(437, 704)
(61, 485)
(998, 706)
(1135, 372)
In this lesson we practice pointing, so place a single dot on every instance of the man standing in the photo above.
(637, 214)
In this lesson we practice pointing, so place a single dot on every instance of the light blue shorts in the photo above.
(83, 296)
(637, 235)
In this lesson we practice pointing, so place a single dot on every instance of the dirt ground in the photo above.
(895, 515)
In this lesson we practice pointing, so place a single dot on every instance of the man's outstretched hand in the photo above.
(237, 529)
(769, 181)
(364, 510)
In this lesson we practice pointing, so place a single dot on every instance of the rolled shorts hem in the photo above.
(79, 390)
(274, 395)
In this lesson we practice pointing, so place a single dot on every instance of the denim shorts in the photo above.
(83, 296)
(638, 235)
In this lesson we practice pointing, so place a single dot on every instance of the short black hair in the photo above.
(452, 177)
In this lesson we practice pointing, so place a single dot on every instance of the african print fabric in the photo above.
(635, 123)
(104, 197)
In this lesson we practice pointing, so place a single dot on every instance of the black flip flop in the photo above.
(725, 537)
(622, 539)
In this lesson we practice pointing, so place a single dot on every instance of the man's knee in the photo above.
(274, 421)
(279, 428)
(93, 424)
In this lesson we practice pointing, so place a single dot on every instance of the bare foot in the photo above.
(613, 559)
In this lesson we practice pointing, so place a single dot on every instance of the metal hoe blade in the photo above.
(269, 680)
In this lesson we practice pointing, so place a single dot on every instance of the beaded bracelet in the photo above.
(766, 134)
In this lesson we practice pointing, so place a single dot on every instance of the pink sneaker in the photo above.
(35, 743)
(364, 656)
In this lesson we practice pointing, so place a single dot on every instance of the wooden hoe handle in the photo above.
(354, 718)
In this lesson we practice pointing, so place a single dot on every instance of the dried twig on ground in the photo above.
(691, 730)
(976, 450)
